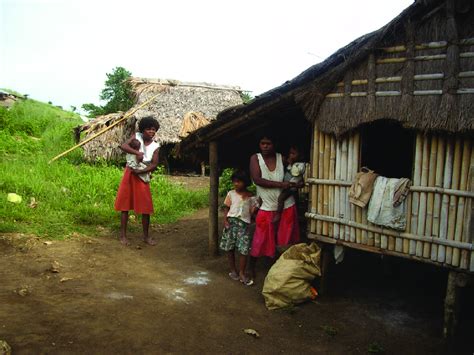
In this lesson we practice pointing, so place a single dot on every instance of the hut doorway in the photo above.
(387, 148)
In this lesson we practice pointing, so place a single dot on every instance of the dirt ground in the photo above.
(104, 298)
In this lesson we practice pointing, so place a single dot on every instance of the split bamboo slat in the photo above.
(467, 233)
(440, 155)
(343, 230)
(463, 180)
(431, 177)
(332, 174)
(425, 159)
(337, 189)
(350, 207)
(314, 174)
(453, 200)
(319, 225)
(416, 195)
(406, 242)
(350, 177)
(443, 219)
(355, 168)
(465, 167)
(326, 162)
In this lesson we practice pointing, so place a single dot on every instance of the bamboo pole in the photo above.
(406, 242)
(416, 195)
(314, 173)
(394, 233)
(337, 188)
(422, 201)
(443, 223)
(332, 174)
(336, 182)
(465, 167)
(125, 117)
(319, 225)
(430, 197)
(434, 200)
(468, 230)
(355, 168)
(453, 200)
(350, 236)
(344, 199)
(440, 155)
(326, 162)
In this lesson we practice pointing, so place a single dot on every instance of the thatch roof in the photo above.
(201, 102)
(308, 90)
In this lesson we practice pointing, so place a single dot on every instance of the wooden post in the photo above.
(326, 259)
(451, 302)
(213, 199)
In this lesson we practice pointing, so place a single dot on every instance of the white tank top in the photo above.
(147, 150)
(269, 196)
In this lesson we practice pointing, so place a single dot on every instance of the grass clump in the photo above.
(71, 195)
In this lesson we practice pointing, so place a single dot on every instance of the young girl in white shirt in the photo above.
(239, 206)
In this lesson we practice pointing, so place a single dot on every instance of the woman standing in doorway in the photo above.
(267, 172)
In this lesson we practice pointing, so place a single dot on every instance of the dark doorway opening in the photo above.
(387, 148)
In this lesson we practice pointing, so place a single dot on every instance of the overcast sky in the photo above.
(60, 50)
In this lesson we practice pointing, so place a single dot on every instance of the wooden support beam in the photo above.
(213, 199)
(451, 306)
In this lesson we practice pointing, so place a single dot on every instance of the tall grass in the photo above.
(71, 195)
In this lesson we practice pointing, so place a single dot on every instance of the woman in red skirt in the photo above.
(134, 193)
(267, 172)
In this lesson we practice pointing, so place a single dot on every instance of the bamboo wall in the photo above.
(438, 207)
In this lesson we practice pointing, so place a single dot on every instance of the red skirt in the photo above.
(133, 194)
(267, 235)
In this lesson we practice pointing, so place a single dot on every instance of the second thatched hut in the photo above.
(179, 107)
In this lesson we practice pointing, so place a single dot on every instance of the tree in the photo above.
(246, 96)
(117, 94)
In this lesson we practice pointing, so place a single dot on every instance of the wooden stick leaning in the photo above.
(125, 117)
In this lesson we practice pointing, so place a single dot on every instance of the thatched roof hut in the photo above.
(180, 107)
(399, 100)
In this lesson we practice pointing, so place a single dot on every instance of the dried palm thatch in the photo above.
(107, 145)
(191, 122)
(422, 105)
(180, 108)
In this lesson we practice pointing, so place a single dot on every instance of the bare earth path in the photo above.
(172, 298)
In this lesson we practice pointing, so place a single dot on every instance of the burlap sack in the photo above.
(288, 281)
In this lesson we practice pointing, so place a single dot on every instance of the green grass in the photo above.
(72, 196)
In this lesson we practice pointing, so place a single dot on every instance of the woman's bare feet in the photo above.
(124, 241)
(149, 241)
